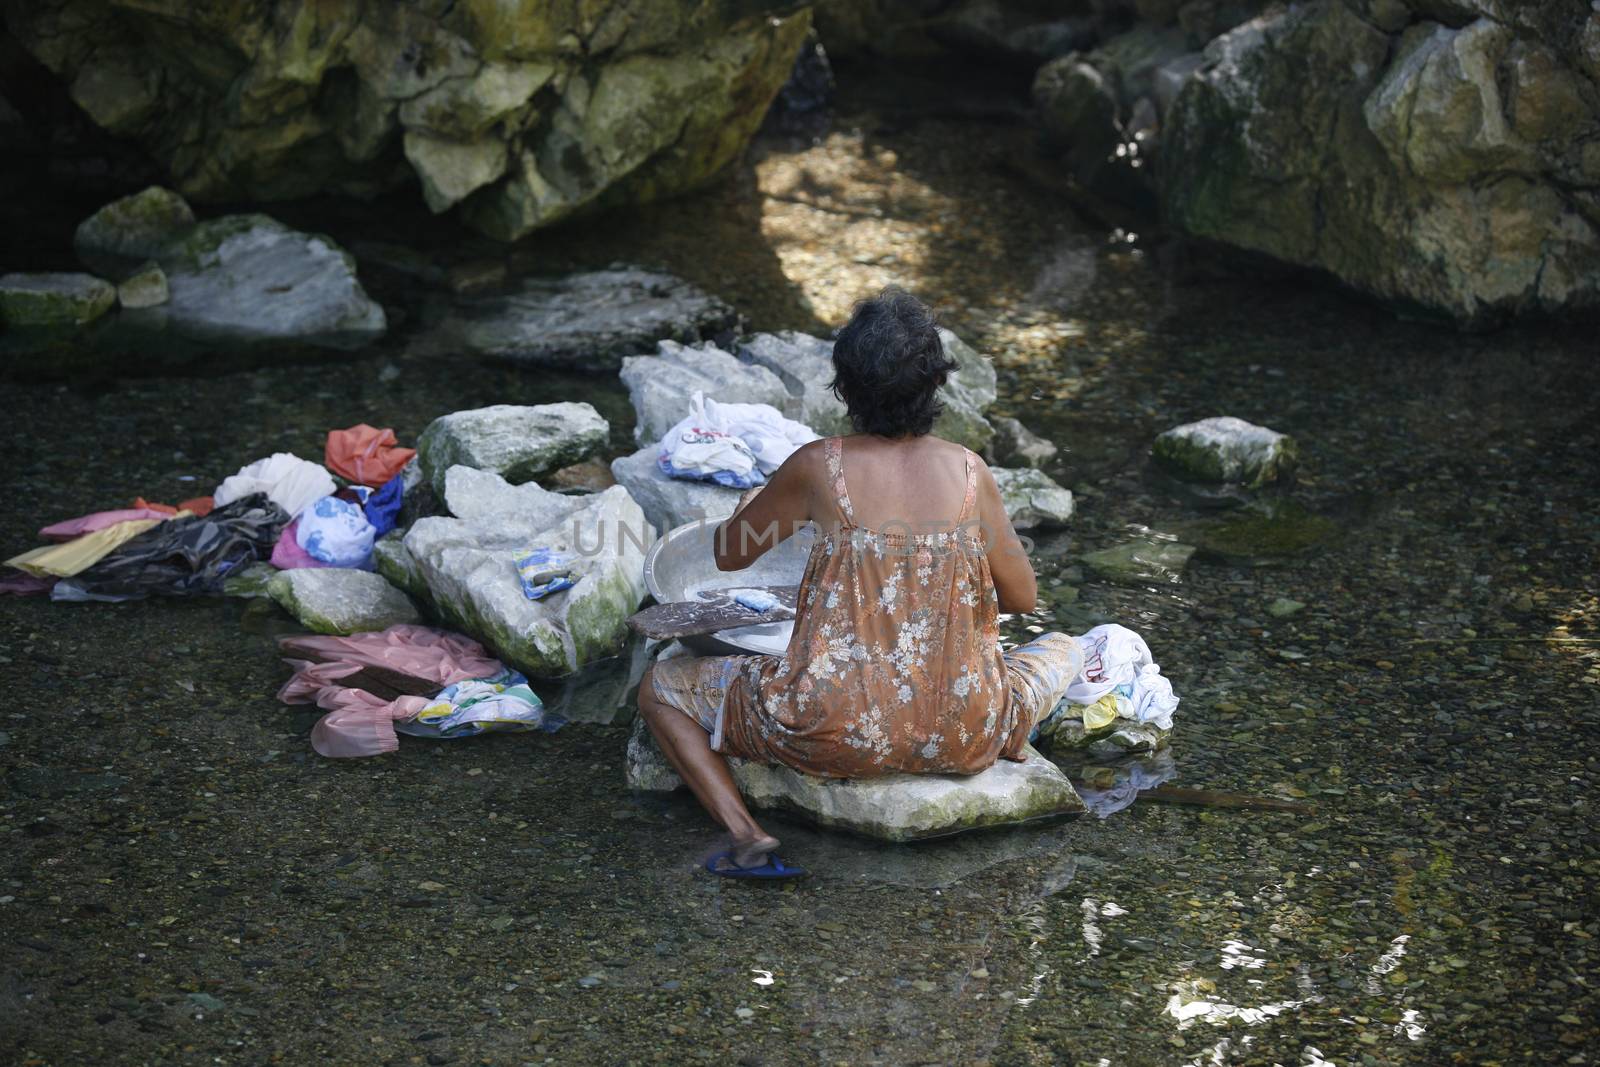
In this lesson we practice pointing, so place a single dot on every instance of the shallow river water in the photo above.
(184, 882)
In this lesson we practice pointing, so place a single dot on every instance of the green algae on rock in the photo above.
(1142, 560)
(1227, 449)
(338, 600)
(1263, 532)
(54, 299)
(519, 443)
(133, 228)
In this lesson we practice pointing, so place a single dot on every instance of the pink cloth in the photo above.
(68, 529)
(287, 553)
(20, 584)
(359, 723)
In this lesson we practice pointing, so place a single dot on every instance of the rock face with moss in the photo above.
(516, 442)
(54, 299)
(334, 600)
(900, 807)
(1442, 155)
(521, 112)
(1226, 449)
(467, 561)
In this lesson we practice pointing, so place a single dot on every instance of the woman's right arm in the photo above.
(1009, 566)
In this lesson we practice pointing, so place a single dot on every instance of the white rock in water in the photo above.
(1226, 449)
(469, 567)
(399, 567)
(805, 365)
(54, 299)
(1141, 560)
(590, 320)
(133, 228)
(335, 600)
(1014, 443)
(661, 385)
(671, 502)
(251, 278)
(144, 288)
(1032, 498)
(900, 807)
(517, 443)
(1120, 737)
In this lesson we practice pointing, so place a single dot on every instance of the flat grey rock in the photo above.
(591, 320)
(1226, 449)
(1140, 561)
(335, 600)
(670, 502)
(1014, 445)
(518, 443)
(251, 278)
(661, 386)
(901, 807)
(469, 568)
(54, 299)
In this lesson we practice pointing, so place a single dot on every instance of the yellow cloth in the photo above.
(81, 553)
(1102, 712)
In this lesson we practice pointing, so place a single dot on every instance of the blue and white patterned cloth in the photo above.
(336, 532)
(546, 570)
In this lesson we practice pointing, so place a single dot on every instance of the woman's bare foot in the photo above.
(753, 851)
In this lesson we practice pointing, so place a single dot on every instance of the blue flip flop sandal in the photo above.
(773, 870)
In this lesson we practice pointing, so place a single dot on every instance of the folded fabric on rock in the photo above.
(81, 553)
(68, 529)
(736, 445)
(337, 533)
(288, 481)
(200, 505)
(546, 570)
(370, 682)
(1118, 665)
(365, 455)
(184, 556)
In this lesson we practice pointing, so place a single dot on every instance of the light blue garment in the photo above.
(336, 532)
(546, 570)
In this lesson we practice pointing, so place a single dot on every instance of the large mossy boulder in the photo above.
(517, 442)
(335, 600)
(467, 561)
(1225, 449)
(519, 111)
(134, 228)
(900, 807)
(54, 299)
(1450, 166)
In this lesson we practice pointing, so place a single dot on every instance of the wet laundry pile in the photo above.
(735, 445)
(407, 679)
(281, 509)
(1120, 679)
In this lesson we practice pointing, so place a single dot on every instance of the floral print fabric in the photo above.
(894, 665)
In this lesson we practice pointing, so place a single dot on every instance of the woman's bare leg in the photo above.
(688, 748)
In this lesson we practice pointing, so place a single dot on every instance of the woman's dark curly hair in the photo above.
(888, 365)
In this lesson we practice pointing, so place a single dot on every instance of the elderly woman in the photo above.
(895, 663)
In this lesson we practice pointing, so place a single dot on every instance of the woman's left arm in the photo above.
(767, 515)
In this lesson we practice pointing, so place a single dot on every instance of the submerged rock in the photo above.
(523, 113)
(1265, 532)
(660, 386)
(1032, 498)
(54, 299)
(251, 278)
(146, 287)
(515, 442)
(591, 320)
(671, 502)
(901, 807)
(1226, 449)
(1141, 561)
(133, 229)
(334, 600)
(1015, 445)
(468, 564)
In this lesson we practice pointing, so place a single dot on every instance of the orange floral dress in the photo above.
(894, 665)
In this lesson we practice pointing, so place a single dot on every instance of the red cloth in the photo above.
(200, 505)
(365, 455)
